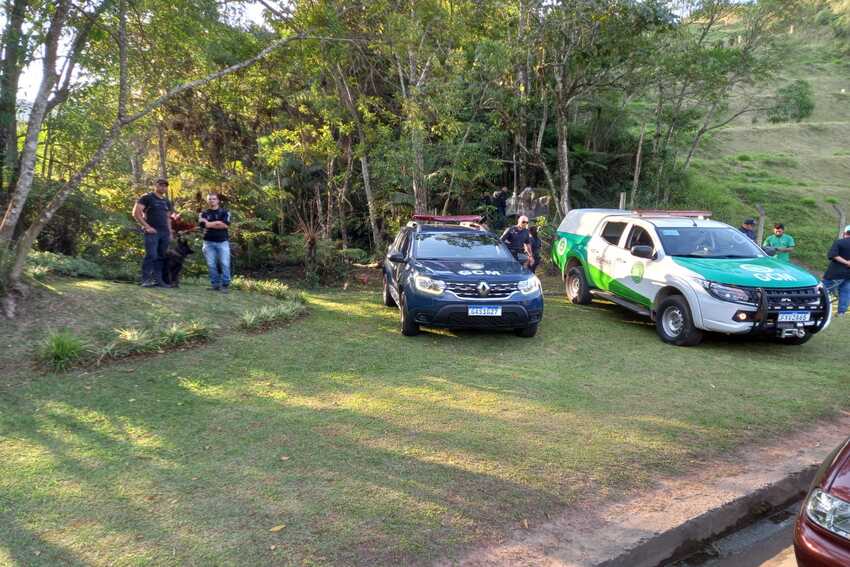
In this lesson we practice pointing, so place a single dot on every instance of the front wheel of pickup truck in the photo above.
(674, 322)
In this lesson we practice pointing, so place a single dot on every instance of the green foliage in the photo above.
(62, 349)
(63, 265)
(744, 157)
(794, 103)
(272, 314)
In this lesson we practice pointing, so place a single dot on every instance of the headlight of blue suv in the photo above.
(829, 512)
(428, 285)
(529, 286)
(730, 293)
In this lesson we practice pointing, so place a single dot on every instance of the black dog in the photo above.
(174, 259)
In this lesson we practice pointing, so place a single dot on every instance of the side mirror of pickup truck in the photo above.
(396, 258)
(769, 250)
(642, 251)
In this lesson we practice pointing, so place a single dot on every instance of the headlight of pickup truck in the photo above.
(829, 512)
(730, 293)
(529, 286)
(428, 285)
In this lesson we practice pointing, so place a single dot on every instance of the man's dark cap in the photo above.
(749, 221)
(162, 181)
(779, 225)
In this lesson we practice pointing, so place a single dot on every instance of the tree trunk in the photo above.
(370, 202)
(13, 50)
(420, 190)
(163, 150)
(320, 210)
(562, 119)
(23, 186)
(636, 178)
(342, 198)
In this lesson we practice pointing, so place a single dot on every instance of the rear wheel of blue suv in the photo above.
(440, 272)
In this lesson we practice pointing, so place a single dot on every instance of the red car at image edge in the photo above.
(822, 533)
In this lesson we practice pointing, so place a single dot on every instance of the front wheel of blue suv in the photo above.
(409, 327)
(387, 296)
(526, 332)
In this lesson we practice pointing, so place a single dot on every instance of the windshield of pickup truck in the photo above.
(702, 242)
(461, 246)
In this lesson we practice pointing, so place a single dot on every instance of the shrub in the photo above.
(794, 102)
(62, 349)
(136, 340)
(64, 265)
(271, 314)
(274, 288)
(744, 157)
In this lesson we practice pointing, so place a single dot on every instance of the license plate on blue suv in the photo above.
(484, 311)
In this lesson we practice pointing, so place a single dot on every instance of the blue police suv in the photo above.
(449, 272)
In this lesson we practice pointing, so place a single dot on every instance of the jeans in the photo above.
(843, 290)
(217, 255)
(156, 245)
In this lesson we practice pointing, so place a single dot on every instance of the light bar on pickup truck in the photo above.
(668, 213)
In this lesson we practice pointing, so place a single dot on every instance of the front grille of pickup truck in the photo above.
(470, 289)
(792, 299)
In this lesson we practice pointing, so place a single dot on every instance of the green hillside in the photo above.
(797, 171)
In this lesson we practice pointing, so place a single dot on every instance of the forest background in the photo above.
(326, 124)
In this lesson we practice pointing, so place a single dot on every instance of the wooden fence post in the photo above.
(842, 219)
(760, 228)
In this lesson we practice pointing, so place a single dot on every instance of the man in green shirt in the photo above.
(784, 243)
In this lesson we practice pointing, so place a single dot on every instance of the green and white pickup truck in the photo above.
(688, 274)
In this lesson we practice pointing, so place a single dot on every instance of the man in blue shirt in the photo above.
(153, 213)
(215, 221)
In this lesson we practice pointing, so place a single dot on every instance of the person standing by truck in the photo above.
(837, 275)
(783, 243)
(747, 228)
(517, 237)
(536, 244)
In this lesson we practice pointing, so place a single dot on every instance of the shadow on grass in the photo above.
(369, 447)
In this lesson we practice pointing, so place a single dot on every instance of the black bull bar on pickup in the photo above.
(761, 313)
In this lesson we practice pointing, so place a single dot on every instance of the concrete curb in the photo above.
(688, 537)
(677, 514)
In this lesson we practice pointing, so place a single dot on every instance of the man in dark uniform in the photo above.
(215, 221)
(153, 213)
(747, 228)
(536, 244)
(518, 238)
(837, 276)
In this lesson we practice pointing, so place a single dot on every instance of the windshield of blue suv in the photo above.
(460, 246)
(704, 242)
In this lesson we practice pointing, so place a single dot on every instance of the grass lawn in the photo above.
(360, 446)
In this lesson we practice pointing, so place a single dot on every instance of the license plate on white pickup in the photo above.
(484, 311)
(794, 316)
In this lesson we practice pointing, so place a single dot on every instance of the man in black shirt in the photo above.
(747, 228)
(518, 238)
(215, 221)
(153, 213)
(837, 276)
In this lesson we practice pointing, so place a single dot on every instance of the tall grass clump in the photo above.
(64, 265)
(62, 349)
(271, 315)
(137, 340)
(273, 288)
